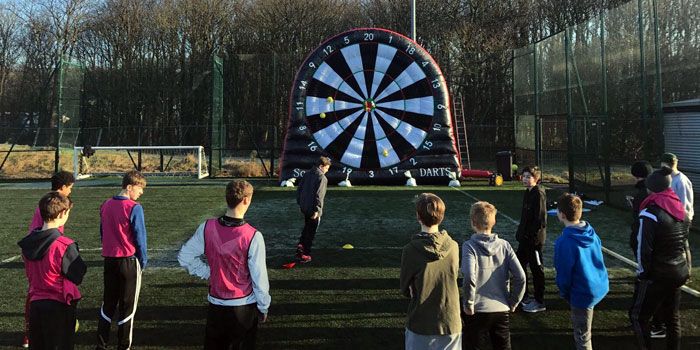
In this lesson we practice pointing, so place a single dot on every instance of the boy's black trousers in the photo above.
(484, 326)
(531, 254)
(52, 325)
(650, 296)
(122, 283)
(308, 233)
(231, 327)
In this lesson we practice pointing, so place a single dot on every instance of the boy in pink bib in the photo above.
(235, 267)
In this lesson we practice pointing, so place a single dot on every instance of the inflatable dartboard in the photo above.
(377, 104)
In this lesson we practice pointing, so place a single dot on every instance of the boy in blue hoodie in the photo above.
(581, 274)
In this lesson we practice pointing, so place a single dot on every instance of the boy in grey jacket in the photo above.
(487, 264)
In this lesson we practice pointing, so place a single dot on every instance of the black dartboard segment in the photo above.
(374, 102)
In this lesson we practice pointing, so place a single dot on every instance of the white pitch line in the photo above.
(11, 259)
(627, 261)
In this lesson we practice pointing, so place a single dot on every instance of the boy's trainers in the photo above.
(526, 301)
(25, 342)
(303, 258)
(658, 332)
(534, 306)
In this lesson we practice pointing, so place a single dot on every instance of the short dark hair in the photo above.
(236, 190)
(52, 204)
(60, 179)
(133, 178)
(534, 171)
(571, 206)
(430, 209)
(323, 161)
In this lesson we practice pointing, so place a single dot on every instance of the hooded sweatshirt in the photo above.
(429, 271)
(487, 264)
(53, 265)
(581, 274)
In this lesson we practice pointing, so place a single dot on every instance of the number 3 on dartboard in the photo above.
(312, 146)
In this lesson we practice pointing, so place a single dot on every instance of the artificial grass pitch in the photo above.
(343, 299)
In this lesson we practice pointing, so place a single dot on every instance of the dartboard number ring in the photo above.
(370, 98)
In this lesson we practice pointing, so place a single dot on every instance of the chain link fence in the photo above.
(589, 101)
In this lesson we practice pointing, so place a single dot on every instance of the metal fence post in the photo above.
(569, 113)
(538, 140)
(606, 116)
(59, 112)
(659, 95)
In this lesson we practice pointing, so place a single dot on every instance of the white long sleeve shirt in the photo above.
(190, 257)
(684, 189)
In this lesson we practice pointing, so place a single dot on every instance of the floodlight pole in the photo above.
(413, 20)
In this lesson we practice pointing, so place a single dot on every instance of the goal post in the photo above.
(179, 161)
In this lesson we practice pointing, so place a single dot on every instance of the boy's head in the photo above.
(483, 216)
(669, 160)
(569, 208)
(62, 182)
(430, 209)
(55, 207)
(133, 184)
(660, 180)
(238, 192)
(641, 169)
(531, 176)
(323, 163)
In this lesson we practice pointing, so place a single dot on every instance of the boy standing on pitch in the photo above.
(531, 235)
(61, 182)
(123, 234)
(235, 266)
(310, 196)
(429, 271)
(581, 274)
(54, 269)
(488, 263)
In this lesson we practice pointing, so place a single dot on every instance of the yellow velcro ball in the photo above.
(329, 99)
(322, 115)
(385, 153)
(348, 246)
(77, 325)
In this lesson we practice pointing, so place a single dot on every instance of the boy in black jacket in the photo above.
(310, 195)
(640, 170)
(663, 260)
(531, 235)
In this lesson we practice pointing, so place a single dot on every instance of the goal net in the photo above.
(150, 160)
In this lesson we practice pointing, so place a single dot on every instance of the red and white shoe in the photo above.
(303, 258)
(25, 342)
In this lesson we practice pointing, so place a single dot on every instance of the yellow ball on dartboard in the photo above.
(385, 153)
(330, 99)
(322, 115)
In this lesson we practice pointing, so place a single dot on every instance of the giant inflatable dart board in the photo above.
(377, 104)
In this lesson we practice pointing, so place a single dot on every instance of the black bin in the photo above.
(504, 165)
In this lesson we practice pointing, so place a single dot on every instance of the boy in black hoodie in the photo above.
(54, 269)
(531, 235)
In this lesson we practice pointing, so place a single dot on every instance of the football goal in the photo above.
(150, 160)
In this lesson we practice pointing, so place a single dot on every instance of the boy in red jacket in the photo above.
(54, 269)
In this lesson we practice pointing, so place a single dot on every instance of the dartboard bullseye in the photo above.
(373, 101)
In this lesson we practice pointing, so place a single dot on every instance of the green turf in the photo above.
(344, 299)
